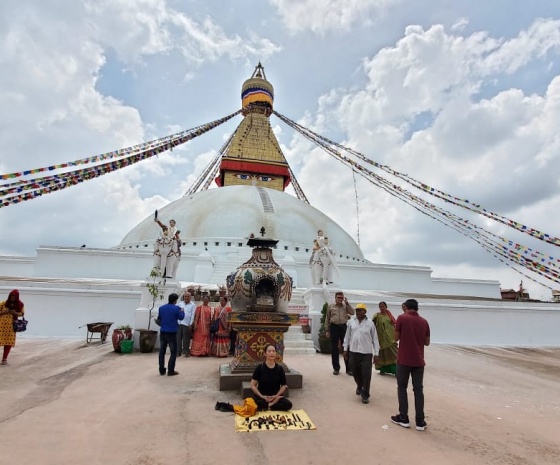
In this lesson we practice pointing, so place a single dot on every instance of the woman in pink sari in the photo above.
(201, 334)
(220, 340)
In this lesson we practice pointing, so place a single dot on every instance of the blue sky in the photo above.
(461, 95)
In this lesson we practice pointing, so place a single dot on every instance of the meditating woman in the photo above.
(384, 323)
(220, 339)
(10, 310)
(269, 383)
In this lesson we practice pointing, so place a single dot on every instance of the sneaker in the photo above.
(358, 391)
(335, 372)
(421, 425)
(401, 420)
(365, 400)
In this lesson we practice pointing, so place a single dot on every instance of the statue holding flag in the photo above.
(167, 248)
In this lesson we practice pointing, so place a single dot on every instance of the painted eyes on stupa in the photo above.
(246, 177)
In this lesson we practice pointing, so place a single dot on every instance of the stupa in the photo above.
(67, 287)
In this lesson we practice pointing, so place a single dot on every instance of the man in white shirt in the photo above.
(361, 347)
(184, 333)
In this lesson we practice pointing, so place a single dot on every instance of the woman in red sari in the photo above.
(9, 311)
(220, 340)
(201, 333)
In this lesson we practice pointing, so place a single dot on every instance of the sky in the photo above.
(464, 96)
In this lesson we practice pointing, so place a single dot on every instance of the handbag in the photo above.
(215, 326)
(20, 325)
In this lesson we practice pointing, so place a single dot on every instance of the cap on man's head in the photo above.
(361, 307)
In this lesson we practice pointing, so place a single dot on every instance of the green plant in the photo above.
(154, 282)
(322, 328)
(124, 327)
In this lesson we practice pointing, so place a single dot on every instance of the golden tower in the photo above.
(254, 156)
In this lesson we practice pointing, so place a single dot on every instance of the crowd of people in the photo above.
(391, 345)
(191, 334)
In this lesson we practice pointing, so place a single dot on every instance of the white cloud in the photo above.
(474, 114)
(326, 15)
(421, 113)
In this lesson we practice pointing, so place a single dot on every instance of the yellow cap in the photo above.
(361, 307)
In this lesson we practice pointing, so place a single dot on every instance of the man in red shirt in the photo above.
(413, 333)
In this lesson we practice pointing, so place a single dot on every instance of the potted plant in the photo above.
(324, 341)
(121, 333)
(304, 323)
(147, 337)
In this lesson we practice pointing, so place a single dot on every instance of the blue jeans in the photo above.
(417, 374)
(166, 339)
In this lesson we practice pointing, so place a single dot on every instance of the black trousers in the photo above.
(283, 404)
(184, 335)
(166, 339)
(337, 336)
(361, 366)
(417, 374)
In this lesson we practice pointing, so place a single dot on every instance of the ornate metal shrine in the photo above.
(259, 291)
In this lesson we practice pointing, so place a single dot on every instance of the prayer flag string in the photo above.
(13, 193)
(497, 246)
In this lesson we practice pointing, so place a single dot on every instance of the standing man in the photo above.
(413, 333)
(361, 347)
(184, 333)
(336, 320)
(168, 315)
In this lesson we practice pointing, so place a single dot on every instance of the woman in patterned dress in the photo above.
(10, 309)
(384, 322)
(220, 340)
(201, 333)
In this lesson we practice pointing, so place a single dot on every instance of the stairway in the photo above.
(296, 342)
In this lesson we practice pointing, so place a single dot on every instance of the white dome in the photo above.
(225, 217)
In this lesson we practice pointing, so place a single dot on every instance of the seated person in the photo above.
(269, 383)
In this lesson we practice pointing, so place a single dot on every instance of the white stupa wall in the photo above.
(204, 267)
(462, 322)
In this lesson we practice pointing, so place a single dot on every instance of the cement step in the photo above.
(299, 351)
(298, 343)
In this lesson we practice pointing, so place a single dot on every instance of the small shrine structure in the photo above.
(259, 291)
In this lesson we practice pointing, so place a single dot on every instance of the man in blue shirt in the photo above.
(169, 314)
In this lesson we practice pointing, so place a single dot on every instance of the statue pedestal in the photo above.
(254, 331)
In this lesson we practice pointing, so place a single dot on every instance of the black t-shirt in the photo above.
(269, 379)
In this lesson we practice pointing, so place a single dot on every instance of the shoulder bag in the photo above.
(20, 325)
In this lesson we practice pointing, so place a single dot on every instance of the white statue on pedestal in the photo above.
(322, 260)
(167, 249)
